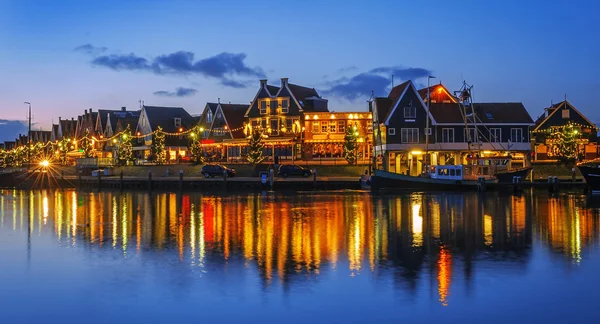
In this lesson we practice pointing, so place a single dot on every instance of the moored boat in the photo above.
(439, 177)
(591, 174)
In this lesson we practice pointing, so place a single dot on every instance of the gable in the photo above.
(253, 108)
(562, 115)
(409, 98)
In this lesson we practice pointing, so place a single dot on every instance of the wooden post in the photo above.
(225, 179)
(99, 180)
(121, 179)
(180, 179)
(315, 178)
(271, 178)
(150, 180)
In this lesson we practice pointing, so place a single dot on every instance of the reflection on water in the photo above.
(285, 237)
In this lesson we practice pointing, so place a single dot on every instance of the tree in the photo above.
(565, 143)
(158, 146)
(64, 146)
(255, 148)
(195, 145)
(86, 145)
(350, 145)
(125, 152)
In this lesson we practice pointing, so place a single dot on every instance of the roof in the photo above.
(212, 106)
(383, 106)
(234, 114)
(553, 109)
(68, 127)
(273, 89)
(301, 92)
(125, 117)
(104, 115)
(163, 117)
(487, 113)
(432, 91)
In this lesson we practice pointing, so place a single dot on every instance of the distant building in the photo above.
(553, 120)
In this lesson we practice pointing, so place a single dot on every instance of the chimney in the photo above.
(284, 82)
(123, 108)
(370, 106)
(59, 120)
(219, 100)
(263, 83)
(86, 111)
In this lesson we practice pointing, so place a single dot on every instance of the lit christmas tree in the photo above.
(255, 148)
(350, 145)
(195, 145)
(125, 152)
(86, 145)
(158, 146)
(64, 146)
(565, 143)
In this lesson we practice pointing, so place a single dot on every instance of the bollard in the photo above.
(99, 180)
(315, 178)
(550, 186)
(225, 178)
(121, 179)
(180, 179)
(150, 180)
(271, 178)
(555, 184)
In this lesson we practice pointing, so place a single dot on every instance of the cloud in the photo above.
(179, 92)
(222, 66)
(90, 49)
(10, 129)
(376, 80)
(346, 69)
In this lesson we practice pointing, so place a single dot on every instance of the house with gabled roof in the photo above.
(408, 132)
(553, 120)
(66, 128)
(174, 121)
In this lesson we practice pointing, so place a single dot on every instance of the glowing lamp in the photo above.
(180, 129)
(114, 140)
(439, 89)
(315, 117)
(283, 129)
(332, 116)
(202, 129)
(45, 163)
(101, 136)
(192, 135)
(226, 127)
(307, 117)
(138, 133)
(416, 152)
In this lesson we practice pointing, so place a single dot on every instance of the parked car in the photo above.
(212, 170)
(290, 170)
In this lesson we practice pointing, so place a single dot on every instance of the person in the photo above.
(365, 179)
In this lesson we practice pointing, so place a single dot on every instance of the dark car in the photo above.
(212, 170)
(290, 170)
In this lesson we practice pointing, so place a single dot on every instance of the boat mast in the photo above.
(464, 96)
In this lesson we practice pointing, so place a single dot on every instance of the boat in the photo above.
(439, 177)
(591, 174)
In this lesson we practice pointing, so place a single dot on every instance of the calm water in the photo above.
(75, 257)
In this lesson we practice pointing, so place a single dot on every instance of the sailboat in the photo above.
(479, 171)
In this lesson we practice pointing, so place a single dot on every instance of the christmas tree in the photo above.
(86, 145)
(158, 146)
(350, 145)
(64, 146)
(195, 145)
(255, 148)
(125, 152)
(565, 142)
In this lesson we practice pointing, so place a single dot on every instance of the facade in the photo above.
(408, 135)
(174, 121)
(66, 128)
(554, 120)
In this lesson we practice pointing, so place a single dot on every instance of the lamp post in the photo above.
(427, 130)
(29, 134)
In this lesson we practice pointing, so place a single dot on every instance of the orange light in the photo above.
(226, 127)
(180, 129)
(138, 133)
(101, 136)
(440, 90)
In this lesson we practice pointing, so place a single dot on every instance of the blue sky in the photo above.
(67, 56)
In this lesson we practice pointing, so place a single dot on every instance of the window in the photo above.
(452, 172)
(288, 124)
(263, 107)
(427, 131)
(409, 135)
(495, 135)
(177, 122)
(263, 123)
(489, 115)
(274, 106)
(285, 108)
(275, 126)
(391, 131)
(332, 126)
(410, 112)
(255, 123)
(324, 127)
(447, 135)
(219, 115)
(471, 135)
(458, 172)
(316, 127)
(516, 135)
(342, 126)
(566, 114)
(206, 133)
(209, 117)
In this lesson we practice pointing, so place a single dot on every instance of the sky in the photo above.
(67, 56)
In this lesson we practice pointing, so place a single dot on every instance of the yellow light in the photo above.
(440, 89)
(370, 116)
(226, 127)
(45, 163)
(315, 117)
(202, 129)
(575, 131)
(114, 140)
(416, 152)
(283, 129)
(307, 117)
(487, 152)
(355, 133)
(350, 116)
(193, 135)
(180, 129)
(332, 116)
(124, 136)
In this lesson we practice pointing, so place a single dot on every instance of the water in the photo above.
(73, 257)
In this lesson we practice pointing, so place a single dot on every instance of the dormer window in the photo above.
(209, 117)
(410, 112)
(263, 107)
(177, 122)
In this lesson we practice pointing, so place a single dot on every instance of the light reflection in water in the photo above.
(285, 237)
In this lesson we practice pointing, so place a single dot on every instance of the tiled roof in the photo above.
(164, 117)
(504, 113)
(234, 114)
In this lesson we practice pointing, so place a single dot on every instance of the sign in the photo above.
(208, 141)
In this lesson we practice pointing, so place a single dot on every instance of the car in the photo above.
(290, 170)
(212, 170)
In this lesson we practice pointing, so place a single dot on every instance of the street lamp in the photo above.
(427, 130)
(29, 134)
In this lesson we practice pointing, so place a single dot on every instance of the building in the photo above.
(408, 134)
(174, 121)
(555, 120)
(222, 127)
(66, 128)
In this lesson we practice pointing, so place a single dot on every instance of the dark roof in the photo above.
(301, 92)
(273, 89)
(212, 106)
(394, 96)
(104, 115)
(234, 114)
(163, 117)
(125, 118)
(504, 113)
(383, 106)
(68, 127)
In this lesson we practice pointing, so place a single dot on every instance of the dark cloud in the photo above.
(90, 49)
(179, 92)
(222, 66)
(10, 129)
(377, 80)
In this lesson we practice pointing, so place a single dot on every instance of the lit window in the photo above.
(263, 107)
(341, 126)
(324, 127)
(332, 126)
(316, 127)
